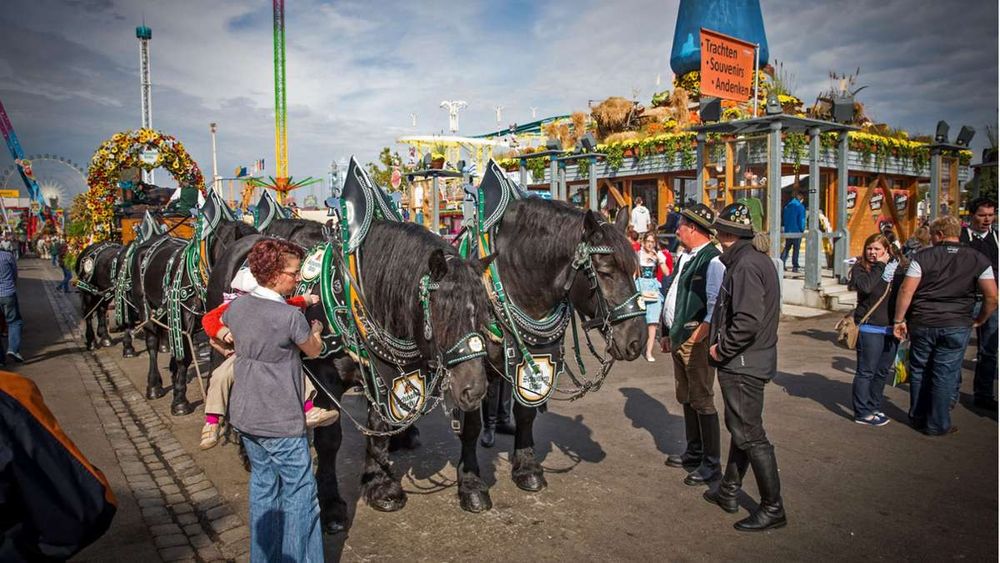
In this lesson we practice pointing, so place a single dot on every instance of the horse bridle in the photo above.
(605, 315)
(469, 347)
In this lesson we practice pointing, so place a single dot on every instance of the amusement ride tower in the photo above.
(144, 34)
(282, 182)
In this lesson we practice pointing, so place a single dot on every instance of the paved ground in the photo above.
(851, 492)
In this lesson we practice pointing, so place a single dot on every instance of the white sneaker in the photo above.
(650, 358)
(210, 435)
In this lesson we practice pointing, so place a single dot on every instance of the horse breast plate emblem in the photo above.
(407, 395)
(534, 388)
(88, 266)
(312, 266)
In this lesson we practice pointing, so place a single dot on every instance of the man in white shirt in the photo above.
(640, 217)
(688, 313)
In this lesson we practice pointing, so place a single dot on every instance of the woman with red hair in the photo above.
(266, 406)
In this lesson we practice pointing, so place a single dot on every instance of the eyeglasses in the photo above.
(296, 274)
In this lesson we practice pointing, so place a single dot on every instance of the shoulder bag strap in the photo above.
(888, 288)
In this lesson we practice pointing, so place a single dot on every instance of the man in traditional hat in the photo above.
(743, 340)
(688, 312)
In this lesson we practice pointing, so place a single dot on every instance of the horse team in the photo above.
(536, 246)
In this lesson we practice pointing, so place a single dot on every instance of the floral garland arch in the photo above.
(126, 150)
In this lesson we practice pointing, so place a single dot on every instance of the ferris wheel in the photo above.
(58, 178)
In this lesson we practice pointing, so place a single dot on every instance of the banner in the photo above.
(727, 66)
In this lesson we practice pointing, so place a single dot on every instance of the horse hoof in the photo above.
(526, 472)
(334, 527)
(181, 409)
(475, 501)
(105, 342)
(388, 504)
(153, 393)
(530, 482)
(128, 353)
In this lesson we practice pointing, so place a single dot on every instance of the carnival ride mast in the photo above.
(144, 34)
(23, 165)
(281, 182)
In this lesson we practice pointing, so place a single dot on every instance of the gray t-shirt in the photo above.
(267, 394)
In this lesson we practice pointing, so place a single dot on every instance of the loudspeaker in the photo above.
(941, 133)
(588, 143)
(843, 109)
(711, 110)
(965, 136)
(553, 145)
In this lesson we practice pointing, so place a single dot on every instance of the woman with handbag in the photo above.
(876, 278)
(651, 260)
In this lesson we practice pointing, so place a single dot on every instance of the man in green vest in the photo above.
(187, 200)
(687, 312)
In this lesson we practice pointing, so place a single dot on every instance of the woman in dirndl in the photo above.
(651, 260)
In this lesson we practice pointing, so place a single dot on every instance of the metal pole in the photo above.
(435, 206)
(553, 177)
(843, 243)
(812, 215)
(563, 188)
(756, 78)
(523, 170)
(698, 194)
(935, 192)
(215, 161)
(593, 184)
(774, 187)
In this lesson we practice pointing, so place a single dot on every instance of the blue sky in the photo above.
(357, 70)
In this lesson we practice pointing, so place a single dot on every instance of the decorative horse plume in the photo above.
(362, 200)
(148, 228)
(214, 211)
(267, 210)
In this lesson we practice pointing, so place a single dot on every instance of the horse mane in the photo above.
(395, 258)
(303, 232)
(537, 242)
(227, 233)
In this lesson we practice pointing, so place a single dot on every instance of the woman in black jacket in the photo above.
(876, 277)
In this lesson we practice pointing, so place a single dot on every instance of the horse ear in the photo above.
(621, 219)
(483, 263)
(591, 223)
(438, 265)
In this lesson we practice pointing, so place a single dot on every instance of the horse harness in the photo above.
(534, 348)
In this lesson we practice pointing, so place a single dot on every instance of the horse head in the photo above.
(457, 312)
(603, 285)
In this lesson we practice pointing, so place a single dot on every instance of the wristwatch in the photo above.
(899, 322)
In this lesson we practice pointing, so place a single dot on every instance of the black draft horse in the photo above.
(536, 244)
(397, 255)
(97, 268)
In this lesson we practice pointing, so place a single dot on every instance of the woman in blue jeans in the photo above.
(876, 278)
(266, 407)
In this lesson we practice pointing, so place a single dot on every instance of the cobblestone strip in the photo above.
(187, 517)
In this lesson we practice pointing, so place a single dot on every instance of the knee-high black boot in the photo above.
(708, 470)
(504, 401)
(770, 513)
(692, 432)
(732, 480)
(490, 407)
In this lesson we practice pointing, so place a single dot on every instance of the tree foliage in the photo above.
(381, 171)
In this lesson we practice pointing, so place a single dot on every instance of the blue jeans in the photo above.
(986, 357)
(67, 276)
(935, 371)
(876, 363)
(12, 314)
(284, 508)
(793, 244)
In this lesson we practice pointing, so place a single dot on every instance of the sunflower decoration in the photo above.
(122, 151)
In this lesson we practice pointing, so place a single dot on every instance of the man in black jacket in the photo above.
(744, 337)
(981, 234)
